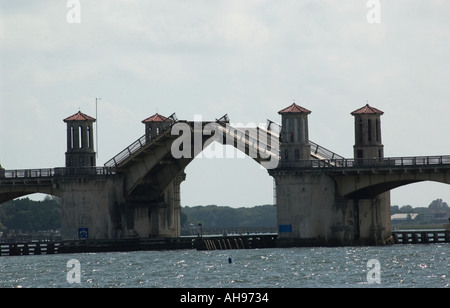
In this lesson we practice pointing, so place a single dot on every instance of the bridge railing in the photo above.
(141, 142)
(251, 138)
(387, 162)
(323, 152)
(27, 173)
(54, 172)
(85, 171)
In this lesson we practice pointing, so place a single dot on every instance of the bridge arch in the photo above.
(152, 165)
(228, 180)
(17, 191)
(371, 185)
(7, 196)
(429, 191)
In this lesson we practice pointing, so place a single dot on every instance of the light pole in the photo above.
(201, 230)
(96, 124)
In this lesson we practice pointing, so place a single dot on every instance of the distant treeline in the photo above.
(218, 217)
(30, 216)
(437, 205)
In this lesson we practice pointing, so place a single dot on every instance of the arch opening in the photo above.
(420, 194)
(228, 178)
(410, 192)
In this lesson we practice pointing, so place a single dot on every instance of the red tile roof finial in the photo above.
(367, 109)
(156, 118)
(294, 108)
(79, 116)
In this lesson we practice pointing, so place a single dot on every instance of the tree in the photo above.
(28, 215)
(406, 209)
(438, 204)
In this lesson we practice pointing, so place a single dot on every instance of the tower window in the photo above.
(359, 154)
(369, 130)
(287, 130)
(360, 134)
(80, 137)
(296, 128)
(71, 137)
(89, 145)
(304, 129)
(286, 154)
(377, 128)
(297, 154)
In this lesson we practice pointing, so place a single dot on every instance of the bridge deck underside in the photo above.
(359, 183)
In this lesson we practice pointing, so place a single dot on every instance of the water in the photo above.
(400, 266)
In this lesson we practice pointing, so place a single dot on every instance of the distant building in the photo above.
(437, 217)
(401, 218)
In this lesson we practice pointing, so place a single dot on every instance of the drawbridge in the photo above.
(261, 143)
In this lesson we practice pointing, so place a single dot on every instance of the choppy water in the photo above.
(400, 266)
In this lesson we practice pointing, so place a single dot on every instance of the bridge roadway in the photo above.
(366, 178)
(16, 183)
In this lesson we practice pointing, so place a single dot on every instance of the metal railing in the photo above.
(379, 163)
(323, 152)
(317, 150)
(142, 142)
(251, 138)
(6, 175)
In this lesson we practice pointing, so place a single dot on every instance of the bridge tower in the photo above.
(295, 147)
(304, 199)
(368, 143)
(80, 141)
(310, 207)
(154, 125)
(372, 215)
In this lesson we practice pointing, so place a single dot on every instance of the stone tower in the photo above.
(295, 147)
(372, 214)
(368, 145)
(311, 211)
(155, 124)
(80, 141)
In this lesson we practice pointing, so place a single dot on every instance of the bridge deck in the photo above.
(45, 176)
(386, 164)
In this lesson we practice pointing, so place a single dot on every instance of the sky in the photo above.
(245, 58)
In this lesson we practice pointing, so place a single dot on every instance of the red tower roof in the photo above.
(156, 118)
(294, 108)
(367, 110)
(79, 116)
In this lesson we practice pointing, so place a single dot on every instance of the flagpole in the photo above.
(96, 124)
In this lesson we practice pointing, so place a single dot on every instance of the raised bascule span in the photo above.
(322, 198)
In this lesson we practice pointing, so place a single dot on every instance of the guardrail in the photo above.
(323, 152)
(387, 162)
(145, 140)
(54, 172)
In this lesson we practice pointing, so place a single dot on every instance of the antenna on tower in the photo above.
(96, 123)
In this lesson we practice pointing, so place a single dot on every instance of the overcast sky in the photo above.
(246, 58)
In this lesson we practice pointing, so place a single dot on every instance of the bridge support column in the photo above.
(374, 219)
(155, 218)
(90, 207)
(307, 210)
(311, 213)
